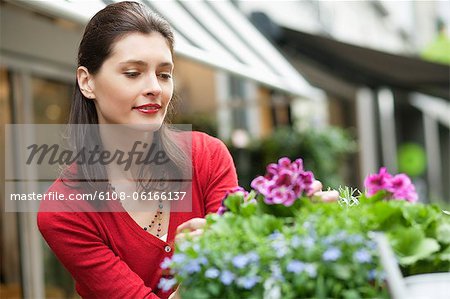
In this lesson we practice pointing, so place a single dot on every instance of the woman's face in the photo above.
(134, 85)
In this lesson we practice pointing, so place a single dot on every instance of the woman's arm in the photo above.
(98, 271)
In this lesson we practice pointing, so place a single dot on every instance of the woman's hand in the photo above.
(191, 228)
(325, 196)
(175, 295)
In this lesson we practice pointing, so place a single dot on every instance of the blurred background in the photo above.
(349, 86)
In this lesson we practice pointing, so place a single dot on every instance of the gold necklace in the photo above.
(157, 219)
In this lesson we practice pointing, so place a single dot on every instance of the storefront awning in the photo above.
(364, 66)
(215, 33)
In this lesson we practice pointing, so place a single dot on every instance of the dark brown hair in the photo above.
(106, 28)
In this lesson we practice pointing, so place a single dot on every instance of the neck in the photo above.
(129, 143)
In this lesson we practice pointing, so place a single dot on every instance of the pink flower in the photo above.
(398, 187)
(377, 182)
(284, 182)
(402, 188)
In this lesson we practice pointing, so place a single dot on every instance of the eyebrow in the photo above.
(143, 63)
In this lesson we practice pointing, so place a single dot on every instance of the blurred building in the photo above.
(366, 56)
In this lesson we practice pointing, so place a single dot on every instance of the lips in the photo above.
(148, 108)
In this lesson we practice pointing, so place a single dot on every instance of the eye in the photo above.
(165, 76)
(132, 74)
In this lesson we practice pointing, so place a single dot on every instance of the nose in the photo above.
(152, 86)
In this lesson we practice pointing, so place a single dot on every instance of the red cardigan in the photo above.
(109, 255)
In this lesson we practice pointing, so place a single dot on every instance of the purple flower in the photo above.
(247, 282)
(222, 210)
(331, 254)
(212, 273)
(284, 182)
(362, 256)
(295, 266)
(226, 277)
(166, 284)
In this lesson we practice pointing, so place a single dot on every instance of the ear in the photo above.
(85, 82)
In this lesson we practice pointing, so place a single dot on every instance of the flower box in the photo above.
(278, 241)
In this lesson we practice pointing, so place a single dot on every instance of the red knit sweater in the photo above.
(109, 254)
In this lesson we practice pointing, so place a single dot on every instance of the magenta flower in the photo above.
(284, 182)
(398, 186)
(377, 182)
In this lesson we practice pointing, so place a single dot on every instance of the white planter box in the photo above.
(432, 286)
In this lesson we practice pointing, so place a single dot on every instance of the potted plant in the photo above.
(279, 242)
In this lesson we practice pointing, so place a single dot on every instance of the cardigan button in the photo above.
(167, 248)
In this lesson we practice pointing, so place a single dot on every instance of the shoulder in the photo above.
(204, 144)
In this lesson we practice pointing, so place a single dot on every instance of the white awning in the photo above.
(212, 32)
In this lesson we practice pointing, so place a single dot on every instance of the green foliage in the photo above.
(316, 250)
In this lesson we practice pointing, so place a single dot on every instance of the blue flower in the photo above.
(280, 247)
(275, 235)
(192, 266)
(311, 270)
(372, 274)
(355, 239)
(184, 245)
(308, 242)
(202, 260)
(331, 254)
(295, 241)
(240, 261)
(253, 257)
(362, 256)
(247, 282)
(276, 272)
(178, 258)
(227, 277)
(212, 273)
(166, 263)
(295, 266)
(166, 284)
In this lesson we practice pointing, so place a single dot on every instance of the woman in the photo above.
(124, 77)
(124, 89)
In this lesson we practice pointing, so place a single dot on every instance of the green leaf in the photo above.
(248, 209)
(445, 255)
(213, 289)
(406, 241)
(342, 271)
(384, 215)
(321, 292)
(420, 214)
(423, 250)
(233, 202)
(443, 233)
